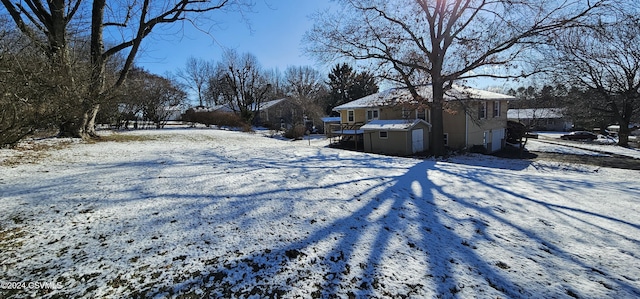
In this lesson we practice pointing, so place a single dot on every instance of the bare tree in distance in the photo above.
(278, 85)
(603, 59)
(196, 74)
(155, 95)
(135, 20)
(240, 83)
(417, 42)
(306, 87)
(303, 83)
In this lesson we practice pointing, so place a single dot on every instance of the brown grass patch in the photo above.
(31, 152)
(118, 137)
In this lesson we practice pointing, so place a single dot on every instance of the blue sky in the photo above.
(273, 33)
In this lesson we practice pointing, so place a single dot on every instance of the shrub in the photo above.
(296, 132)
(209, 118)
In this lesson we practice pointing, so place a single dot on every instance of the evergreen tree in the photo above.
(347, 85)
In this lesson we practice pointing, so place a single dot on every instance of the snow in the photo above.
(394, 96)
(213, 213)
(551, 142)
(392, 124)
(536, 113)
(348, 132)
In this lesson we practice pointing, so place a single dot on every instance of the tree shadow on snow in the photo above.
(416, 234)
(402, 242)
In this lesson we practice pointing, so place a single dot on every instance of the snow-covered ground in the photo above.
(603, 146)
(211, 213)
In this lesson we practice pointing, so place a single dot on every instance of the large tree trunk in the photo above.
(98, 70)
(437, 127)
(623, 133)
(89, 121)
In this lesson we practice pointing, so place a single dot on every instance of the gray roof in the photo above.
(263, 106)
(402, 95)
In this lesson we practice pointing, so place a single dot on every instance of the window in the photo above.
(373, 114)
(482, 110)
(485, 139)
(384, 134)
(351, 116)
(445, 140)
(406, 113)
(424, 114)
(496, 109)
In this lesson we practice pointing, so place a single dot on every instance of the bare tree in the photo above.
(415, 42)
(604, 59)
(240, 84)
(155, 95)
(33, 94)
(19, 103)
(278, 85)
(305, 86)
(197, 73)
(47, 25)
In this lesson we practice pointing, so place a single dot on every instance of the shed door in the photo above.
(496, 141)
(417, 140)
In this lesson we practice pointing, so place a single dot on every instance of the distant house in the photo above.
(281, 113)
(174, 113)
(390, 121)
(543, 119)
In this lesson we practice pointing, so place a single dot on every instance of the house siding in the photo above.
(360, 116)
(491, 125)
(394, 144)
(454, 126)
(283, 113)
(464, 130)
(461, 122)
(397, 142)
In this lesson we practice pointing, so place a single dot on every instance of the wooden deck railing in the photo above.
(342, 129)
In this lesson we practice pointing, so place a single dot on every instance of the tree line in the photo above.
(589, 46)
(239, 83)
(38, 96)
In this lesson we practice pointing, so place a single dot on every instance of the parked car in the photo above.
(579, 135)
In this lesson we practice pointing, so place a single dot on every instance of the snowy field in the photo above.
(603, 146)
(212, 213)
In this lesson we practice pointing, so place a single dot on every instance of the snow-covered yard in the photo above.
(603, 146)
(212, 213)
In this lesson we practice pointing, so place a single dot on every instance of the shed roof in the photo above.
(393, 124)
(402, 95)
